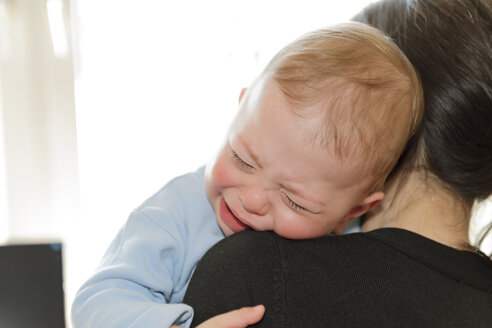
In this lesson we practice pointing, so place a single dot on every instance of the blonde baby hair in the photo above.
(367, 92)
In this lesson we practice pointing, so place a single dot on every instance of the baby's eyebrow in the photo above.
(303, 194)
(250, 152)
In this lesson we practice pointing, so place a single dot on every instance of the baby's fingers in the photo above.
(240, 318)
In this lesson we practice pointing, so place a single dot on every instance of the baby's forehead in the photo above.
(349, 162)
(345, 120)
(323, 173)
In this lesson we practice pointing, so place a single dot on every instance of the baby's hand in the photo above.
(235, 319)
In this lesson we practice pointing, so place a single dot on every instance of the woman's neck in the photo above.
(423, 206)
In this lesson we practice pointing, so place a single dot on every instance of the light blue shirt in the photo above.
(144, 274)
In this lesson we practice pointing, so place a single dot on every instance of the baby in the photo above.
(315, 137)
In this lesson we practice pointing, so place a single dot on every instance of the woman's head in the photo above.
(450, 45)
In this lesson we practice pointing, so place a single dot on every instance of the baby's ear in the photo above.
(365, 206)
(241, 95)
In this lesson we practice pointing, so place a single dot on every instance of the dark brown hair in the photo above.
(449, 43)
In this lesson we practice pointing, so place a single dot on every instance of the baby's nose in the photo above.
(255, 200)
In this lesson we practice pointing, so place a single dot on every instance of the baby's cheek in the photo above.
(222, 175)
(302, 228)
(288, 225)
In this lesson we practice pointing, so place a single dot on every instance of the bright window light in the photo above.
(4, 223)
(4, 31)
(57, 27)
(4, 53)
(482, 214)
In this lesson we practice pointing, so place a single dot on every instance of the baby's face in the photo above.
(269, 176)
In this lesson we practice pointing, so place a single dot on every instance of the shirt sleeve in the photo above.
(136, 281)
(144, 274)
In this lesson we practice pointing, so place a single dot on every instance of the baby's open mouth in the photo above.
(232, 221)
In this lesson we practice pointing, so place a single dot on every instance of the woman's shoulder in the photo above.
(357, 252)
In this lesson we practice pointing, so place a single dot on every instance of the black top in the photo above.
(384, 278)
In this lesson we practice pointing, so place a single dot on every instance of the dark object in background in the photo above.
(31, 286)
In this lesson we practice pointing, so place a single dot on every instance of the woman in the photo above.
(413, 265)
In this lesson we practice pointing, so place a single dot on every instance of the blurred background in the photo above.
(104, 101)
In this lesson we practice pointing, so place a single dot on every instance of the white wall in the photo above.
(38, 126)
(4, 223)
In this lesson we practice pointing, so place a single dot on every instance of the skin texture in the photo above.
(269, 175)
(240, 318)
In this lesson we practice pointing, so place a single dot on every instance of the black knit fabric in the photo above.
(384, 278)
